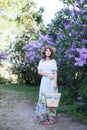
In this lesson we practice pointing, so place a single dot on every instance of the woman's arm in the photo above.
(55, 79)
(40, 72)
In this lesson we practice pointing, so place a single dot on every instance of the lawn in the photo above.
(29, 92)
(24, 91)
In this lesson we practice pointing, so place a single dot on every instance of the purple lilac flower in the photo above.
(52, 21)
(49, 28)
(82, 51)
(32, 49)
(85, 1)
(26, 47)
(60, 35)
(59, 50)
(79, 62)
(80, 104)
(79, 98)
(79, 4)
(67, 25)
(42, 38)
(85, 10)
(79, 12)
(83, 56)
(85, 17)
(49, 42)
(70, 56)
(29, 59)
(74, 46)
(3, 55)
(50, 39)
(57, 42)
(84, 41)
(71, 50)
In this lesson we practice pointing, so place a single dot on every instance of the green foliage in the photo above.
(73, 112)
(71, 2)
(66, 97)
(83, 88)
(16, 18)
(38, 15)
(3, 80)
(81, 117)
(20, 22)
(25, 71)
(71, 106)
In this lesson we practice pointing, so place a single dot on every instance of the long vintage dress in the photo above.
(46, 86)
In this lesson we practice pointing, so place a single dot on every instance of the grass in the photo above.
(27, 92)
(24, 91)
(72, 111)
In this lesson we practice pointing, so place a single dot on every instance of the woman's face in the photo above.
(48, 52)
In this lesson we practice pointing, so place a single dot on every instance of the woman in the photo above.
(47, 68)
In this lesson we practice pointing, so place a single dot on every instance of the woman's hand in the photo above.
(50, 76)
(55, 85)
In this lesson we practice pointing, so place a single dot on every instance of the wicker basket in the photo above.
(52, 99)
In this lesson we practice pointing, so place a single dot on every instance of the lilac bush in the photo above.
(68, 27)
(81, 58)
(67, 33)
(80, 35)
(33, 48)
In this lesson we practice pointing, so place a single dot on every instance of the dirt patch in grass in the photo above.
(19, 114)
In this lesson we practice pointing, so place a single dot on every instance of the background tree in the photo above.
(16, 17)
(20, 22)
(67, 34)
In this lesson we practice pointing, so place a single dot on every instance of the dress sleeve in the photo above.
(54, 65)
(39, 67)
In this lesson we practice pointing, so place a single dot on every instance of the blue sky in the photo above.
(50, 8)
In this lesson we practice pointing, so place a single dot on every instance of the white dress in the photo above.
(43, 113)
(46, 85)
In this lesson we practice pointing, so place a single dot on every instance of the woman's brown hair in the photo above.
(43, 52)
